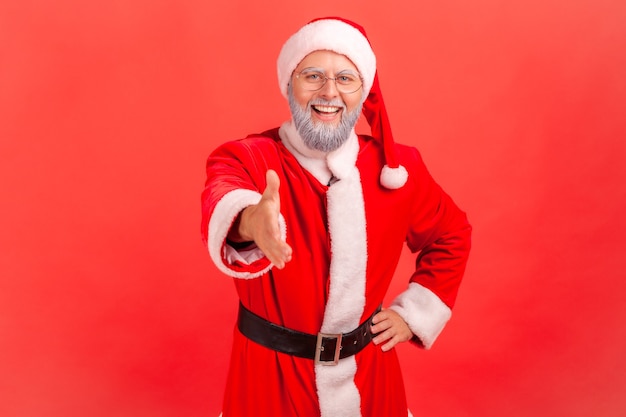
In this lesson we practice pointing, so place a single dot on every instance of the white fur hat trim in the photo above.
(332, 35)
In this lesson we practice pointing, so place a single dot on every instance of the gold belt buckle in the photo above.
(319, 348)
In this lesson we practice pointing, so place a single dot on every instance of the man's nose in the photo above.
(329, 89)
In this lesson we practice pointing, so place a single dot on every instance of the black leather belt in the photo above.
(325, 349)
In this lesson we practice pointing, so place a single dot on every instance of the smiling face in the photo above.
(324, 117)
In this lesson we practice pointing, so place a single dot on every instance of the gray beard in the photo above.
(322, 136)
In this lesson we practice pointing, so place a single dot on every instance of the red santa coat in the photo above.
(346, 240)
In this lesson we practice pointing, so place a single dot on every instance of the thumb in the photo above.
(272, 185)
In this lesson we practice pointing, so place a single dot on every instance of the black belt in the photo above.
(325, 349)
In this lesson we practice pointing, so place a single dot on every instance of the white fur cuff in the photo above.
(423, 311)
(225, 213)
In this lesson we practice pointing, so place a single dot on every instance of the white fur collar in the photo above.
(321, 165)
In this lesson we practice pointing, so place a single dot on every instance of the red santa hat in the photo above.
(349, 39)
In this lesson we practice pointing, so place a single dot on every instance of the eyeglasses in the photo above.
(313, 80)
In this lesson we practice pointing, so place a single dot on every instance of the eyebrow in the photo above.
(345, 71)
(312, 69)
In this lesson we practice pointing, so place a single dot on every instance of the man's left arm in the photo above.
(441, 235)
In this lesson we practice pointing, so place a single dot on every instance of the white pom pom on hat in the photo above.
(349, 39)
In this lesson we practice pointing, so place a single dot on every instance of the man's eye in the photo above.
(347, 79)
(313, 76)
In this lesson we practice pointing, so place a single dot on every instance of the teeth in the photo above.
(326, 109)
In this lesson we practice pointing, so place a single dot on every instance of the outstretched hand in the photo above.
(259, 223)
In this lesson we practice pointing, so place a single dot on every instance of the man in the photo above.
(310, 219)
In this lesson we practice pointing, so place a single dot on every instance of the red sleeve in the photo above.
(234, 165)
(441, 233)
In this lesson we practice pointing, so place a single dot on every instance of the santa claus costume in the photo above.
(347, 235)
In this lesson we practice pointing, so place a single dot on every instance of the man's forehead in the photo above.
(327, 57)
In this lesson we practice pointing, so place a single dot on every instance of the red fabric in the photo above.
(375, 113)
(263, 382)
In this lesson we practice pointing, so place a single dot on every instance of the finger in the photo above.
(389, 345)
(380, 325)
(276, 249)
(382, 337)
(390, 337)
(280, 256)
(273, 253)
(381, 316)
(272, 185)
(277, 262)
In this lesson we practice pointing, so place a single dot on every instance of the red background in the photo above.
(109, 305)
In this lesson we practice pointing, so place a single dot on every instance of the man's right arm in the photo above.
(259, 223)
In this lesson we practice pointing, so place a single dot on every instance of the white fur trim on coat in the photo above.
(423, 311)
(224, 214)
(332, 35)
(337, 392)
